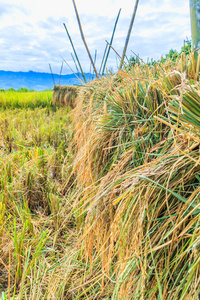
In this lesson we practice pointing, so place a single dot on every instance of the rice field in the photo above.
(102, 201)
(34, 163)
(29, 99)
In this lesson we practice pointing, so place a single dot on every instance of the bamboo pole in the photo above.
(103, 58)
(77, 69)
(129, 33)
(75, 53)
(60, 72)
(51, 73)
(83, 38)
(104, 66)
(123, 62)
(95, 58)
(139, 58)
(72, 70)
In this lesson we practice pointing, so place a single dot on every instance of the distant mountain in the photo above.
(35, 80)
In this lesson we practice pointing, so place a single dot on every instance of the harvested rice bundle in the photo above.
(65, 95)
(137, 167)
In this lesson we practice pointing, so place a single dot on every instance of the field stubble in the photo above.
(36, 221)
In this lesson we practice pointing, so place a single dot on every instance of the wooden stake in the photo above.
(77, 70)
(83, 38)
(75, 52)
(111, 41)
(116, 53)
(60, 72)
(103, 57)
(51, 73)
(72, 70)
(129, 33)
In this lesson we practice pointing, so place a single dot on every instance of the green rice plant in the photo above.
(19, 99)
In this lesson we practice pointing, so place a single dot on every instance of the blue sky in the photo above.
(32, 33)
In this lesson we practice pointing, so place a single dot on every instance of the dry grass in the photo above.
(109, 209)
(37, 229)
(65, 95)
(137, 167)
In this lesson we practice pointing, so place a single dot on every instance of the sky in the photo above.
(32, 34)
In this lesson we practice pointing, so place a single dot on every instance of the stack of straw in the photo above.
(137, 166)
(64, 95)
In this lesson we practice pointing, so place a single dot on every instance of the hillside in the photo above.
(34, 80)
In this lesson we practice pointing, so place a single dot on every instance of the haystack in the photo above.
(137, 166)
(65, 95)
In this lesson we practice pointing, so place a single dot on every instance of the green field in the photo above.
(25, 99)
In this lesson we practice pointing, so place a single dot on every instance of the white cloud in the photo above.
(32, 32)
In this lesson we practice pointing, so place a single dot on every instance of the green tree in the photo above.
(173, 54)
